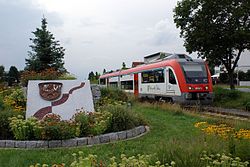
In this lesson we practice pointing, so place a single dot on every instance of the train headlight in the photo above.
(206, 87)
(190, 88)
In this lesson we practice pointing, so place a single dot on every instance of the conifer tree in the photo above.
(46, 52)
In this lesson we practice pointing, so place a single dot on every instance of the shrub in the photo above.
(52, 128)
(123, 118)
(123, 161)
(1, 103)
(222, 94)
(48, 74)
(24, 129)
(93, 123)
(15, 100)
(222, 160)
(112, 96)
(82, 122)
(5, 130)
(99, 122)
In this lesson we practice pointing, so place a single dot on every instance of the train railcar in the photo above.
(177, 78)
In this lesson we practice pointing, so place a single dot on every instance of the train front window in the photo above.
(195, 73)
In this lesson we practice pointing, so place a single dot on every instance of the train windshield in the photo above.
(195, 73)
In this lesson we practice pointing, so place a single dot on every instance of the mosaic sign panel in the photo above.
(62, 97)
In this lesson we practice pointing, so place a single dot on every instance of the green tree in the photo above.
(45, 51)
(124, 66)
(104, 71)
(2, 73)
(217, 30)
(91, 76)
(13, 76)
(97, 75)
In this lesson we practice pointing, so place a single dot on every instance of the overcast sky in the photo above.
(96, 34)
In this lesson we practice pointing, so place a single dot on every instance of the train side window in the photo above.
(144, 77)
(159, 76)
(171, 78)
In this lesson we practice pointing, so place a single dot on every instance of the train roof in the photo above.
(181, 58)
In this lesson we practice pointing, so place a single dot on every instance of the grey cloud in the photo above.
(88, 22)
(87, 42)
(18, 20)
(163, 33)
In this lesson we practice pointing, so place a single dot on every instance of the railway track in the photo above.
(221, 112)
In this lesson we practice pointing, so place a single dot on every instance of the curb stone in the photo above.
(101, 139)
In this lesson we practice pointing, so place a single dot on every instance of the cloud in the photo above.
(19, 18)
(163, 33)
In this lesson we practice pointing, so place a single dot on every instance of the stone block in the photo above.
(129, 134)
(122, 135)
(93, 140)
(69, 143)
(2, 143)
(104, 138)
(55, 143)
(20, 144)
(82, 141)
(10, 143)
(138, 130)
(42, 144)
(113, 136)
(31, 144)
(134, 132)
(142, 129)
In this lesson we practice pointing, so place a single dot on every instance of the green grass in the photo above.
(172, 136)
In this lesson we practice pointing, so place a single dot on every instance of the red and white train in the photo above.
(172, 77)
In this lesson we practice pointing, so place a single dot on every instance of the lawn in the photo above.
(172, 136)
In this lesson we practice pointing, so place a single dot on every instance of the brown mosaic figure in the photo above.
(50, 90)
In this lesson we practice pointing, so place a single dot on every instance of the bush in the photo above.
(5, 130)
(123, 161)
(24, 129)
(222, 160)
(222, 94)
(15, 100)
(48, 74)
(52, 128)
(112, 96)
(93, 123)
(82, 122)
(123, 118)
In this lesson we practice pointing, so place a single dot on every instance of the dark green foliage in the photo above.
(13, 76)
(2, 73)
(124, 66)
(82, 121)
(114, 94)
(225, 79)
(244, 76)
(217, 30)
(123, 118)
(222, 94)
(52, 128)
(93, 77)
(5, 131)
(46, 51)
(58, 131)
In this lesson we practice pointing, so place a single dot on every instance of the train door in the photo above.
(172, 86)
(136, 92)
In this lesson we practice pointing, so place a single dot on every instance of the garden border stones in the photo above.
(84, 141)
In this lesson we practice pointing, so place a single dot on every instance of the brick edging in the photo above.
(101, 139)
